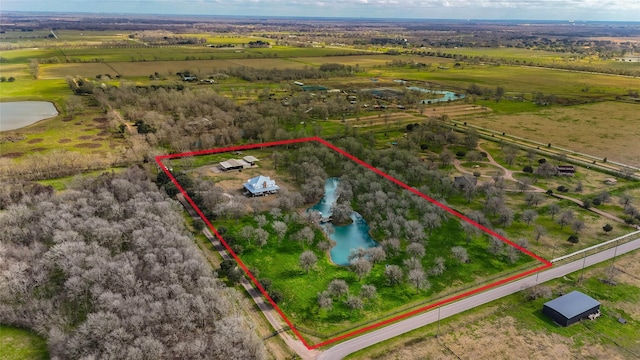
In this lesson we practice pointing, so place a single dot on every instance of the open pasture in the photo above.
(606, 129)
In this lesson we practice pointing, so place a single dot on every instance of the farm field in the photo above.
(520, 79)
(601, 129)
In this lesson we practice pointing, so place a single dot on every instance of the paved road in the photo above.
(343, 349)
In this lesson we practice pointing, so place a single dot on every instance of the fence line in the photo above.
(595, 246)
(409, 307)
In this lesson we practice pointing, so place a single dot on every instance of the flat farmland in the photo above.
(370, 60)
(58, 71)
(607, 129)
(523, 79)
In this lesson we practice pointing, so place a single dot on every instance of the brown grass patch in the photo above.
(89, 145)
(85, 137)
(12, 155)
(504, 339)
(39, 149)
(64, 141)
(603, 129)
(34, 141)
(103, 133)
(101, 120)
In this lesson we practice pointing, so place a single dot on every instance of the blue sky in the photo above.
(605, 10)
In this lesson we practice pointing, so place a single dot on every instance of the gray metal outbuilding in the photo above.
(571, 308)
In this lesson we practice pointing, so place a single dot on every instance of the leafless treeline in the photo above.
(107, 270)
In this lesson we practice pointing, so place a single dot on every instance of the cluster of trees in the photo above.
(325, 71)
(107, 270)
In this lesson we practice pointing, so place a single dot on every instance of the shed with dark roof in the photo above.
(571, 308)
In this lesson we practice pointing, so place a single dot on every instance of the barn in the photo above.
(571, 308)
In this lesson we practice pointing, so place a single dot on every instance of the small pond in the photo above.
(447, 95)
(15, 115)
(348, 237)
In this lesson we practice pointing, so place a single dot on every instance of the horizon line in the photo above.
(284, 17)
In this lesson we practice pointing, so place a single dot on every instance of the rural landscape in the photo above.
(238, 187)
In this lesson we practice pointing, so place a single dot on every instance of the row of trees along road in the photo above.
(107, 270)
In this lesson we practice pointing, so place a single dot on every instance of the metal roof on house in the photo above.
(572, 304)
(260, 184)
(250, 159)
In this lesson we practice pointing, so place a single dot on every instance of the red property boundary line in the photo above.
(545, 263)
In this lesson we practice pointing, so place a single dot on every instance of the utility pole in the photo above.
(438, 330)
(584, 260)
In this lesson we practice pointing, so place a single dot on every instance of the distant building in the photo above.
(571, 308)
(260, 185)
(566, 170)
(298, 83)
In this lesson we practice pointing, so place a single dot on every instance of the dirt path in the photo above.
(508, 175)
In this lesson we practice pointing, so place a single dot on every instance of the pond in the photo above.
(448, 95)
(16, 115)
(348, 237)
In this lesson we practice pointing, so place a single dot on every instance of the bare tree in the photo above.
(505, 216)
(412, 263)
(308, 260)
(391, 246)
(539, 232)
(338, 287)
(438, 267)
(495, 245)
(566, 217)
(280, 228)
(460, 254)
(376, 254)
(325, 301)
(513, 254)
(529, 216)
(368, 292)
(305, 236)
(355, 302)
(532, 198)
(361, 267)
(416, 250)
(393, 274)
(341, 213)
(248, 233)
(414, 231)
(553, 210)
(261, 220)
(418, 278)
(431, 221)
(577, 226)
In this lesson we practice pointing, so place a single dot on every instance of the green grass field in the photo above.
(21, 344)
